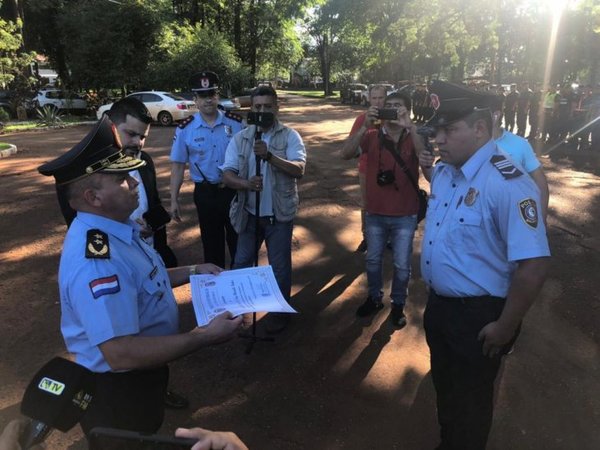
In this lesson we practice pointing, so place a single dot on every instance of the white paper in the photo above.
(238, 291)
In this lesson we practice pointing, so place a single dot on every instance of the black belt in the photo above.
(465, 299)
(208, 185)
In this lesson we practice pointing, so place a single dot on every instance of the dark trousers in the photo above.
(212, 205)
(463, 377)
(521, 122)
(509, 119)
(132, 400)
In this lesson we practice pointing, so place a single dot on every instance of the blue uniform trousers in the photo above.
(133, 400)
(212, 205)
(462, 376)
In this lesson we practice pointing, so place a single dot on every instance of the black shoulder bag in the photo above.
(421, 194)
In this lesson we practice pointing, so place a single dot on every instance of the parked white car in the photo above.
(164, 107)
(59, 99)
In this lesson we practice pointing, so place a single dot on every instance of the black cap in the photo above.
(452, 102)
(99, 151)
(205, 81)
(59, 394)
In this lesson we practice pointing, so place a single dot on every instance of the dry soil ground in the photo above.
(330, 381)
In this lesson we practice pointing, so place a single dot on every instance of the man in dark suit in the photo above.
(132, 121)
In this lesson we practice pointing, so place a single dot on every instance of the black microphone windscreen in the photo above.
(59, 394)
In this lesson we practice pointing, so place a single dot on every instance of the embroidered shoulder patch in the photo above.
(185, 122)
(96, 246)
(105, 286)
(529, 213)
(234, 116)
(506, 168)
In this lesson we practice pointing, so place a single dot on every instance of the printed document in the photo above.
(238, 291)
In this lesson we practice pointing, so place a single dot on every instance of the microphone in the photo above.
(258, 159)
(56, 398)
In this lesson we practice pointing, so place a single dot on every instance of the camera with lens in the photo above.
(385, 177)
(387, 114)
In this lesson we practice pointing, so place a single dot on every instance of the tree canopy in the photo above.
(158, 44)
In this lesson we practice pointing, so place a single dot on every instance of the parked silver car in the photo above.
(59, 99)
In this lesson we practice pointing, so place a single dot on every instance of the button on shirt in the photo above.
(203, 146)
(475, 230)
(126, 294)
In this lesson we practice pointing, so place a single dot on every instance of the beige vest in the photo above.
(283, 186)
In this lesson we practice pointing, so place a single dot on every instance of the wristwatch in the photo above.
(268, 157)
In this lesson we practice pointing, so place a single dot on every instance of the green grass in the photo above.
(4, 146)
(28, 125)
(312, 93)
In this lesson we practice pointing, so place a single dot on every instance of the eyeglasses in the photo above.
(394, 105)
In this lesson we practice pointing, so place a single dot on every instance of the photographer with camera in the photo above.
(391, 200)
(377, 94)
(279, 153)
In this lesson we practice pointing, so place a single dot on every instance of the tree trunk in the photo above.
(237, 28)
(253, 44)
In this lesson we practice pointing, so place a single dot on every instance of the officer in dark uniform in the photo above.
(201, 141)
(484, 258)
(119, 315)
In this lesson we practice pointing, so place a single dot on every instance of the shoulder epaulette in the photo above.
(185, 122)
(506, 168)
(96, 246)
(234, 116)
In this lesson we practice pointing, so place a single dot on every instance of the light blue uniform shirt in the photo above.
(478, 225)
(519, 150)
(126, 294)
(203, 146)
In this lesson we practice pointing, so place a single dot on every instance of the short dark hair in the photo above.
(480, 114)
(401, 95)
(263, 90)
(129, 106)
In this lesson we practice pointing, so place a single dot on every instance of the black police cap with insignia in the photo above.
(205, 81)
(452, 102)
(99, 151)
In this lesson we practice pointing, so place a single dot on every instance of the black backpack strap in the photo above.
(389, 145)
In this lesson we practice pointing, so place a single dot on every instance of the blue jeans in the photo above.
(278, 237)
(399, 230)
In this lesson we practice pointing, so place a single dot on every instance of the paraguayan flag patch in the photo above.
(105, 286)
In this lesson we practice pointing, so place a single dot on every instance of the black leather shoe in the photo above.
(397, 316)
(175, 401)
(369, 307)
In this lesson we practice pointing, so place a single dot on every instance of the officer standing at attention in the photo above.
(484, 257)
(119, 315)
(200, 141)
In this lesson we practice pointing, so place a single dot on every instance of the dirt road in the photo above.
(330, 381)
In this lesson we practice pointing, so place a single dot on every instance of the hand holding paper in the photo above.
(238, 291)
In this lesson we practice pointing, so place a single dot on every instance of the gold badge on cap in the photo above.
(471, 196)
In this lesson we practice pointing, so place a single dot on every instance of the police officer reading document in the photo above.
(484, 257)
(119, 315)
